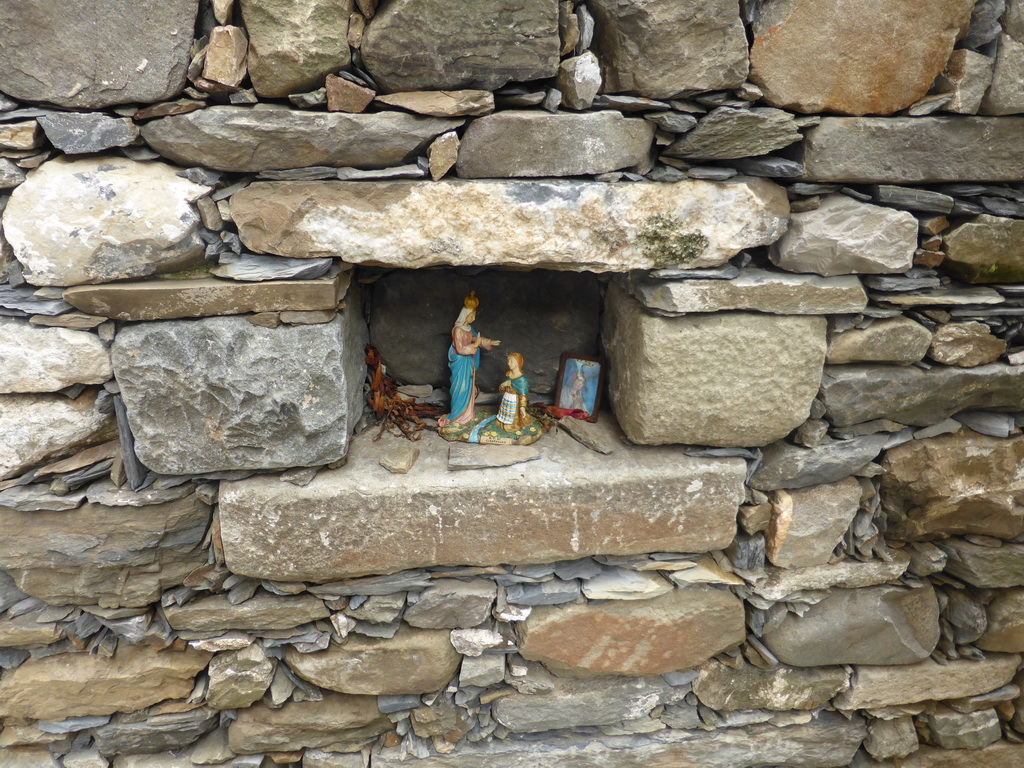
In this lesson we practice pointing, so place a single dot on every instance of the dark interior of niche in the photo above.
(539, 313)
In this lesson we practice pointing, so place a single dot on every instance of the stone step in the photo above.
(570, 503)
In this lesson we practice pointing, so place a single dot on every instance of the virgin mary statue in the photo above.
(463, 361)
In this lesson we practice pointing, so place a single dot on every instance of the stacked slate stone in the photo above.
(793, 228)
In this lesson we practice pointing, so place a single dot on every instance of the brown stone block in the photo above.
(644, 637)
(79, 684)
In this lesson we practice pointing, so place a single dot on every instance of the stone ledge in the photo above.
(205, 297)
(577, 225)
(570, 503)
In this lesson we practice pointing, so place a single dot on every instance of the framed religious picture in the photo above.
(580, 381)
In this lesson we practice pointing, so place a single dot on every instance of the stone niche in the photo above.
(539, 314)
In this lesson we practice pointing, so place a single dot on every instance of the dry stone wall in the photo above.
(794, 538)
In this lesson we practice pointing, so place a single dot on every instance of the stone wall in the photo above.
(795, 230)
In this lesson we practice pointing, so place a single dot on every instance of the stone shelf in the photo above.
(568, 503)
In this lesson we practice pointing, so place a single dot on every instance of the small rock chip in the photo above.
(400, 459)
(464, 456)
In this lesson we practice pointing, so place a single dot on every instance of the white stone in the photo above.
(556, 224)
(98, 219)
(34, 428)
(844, 236)
(624, 584)
(889, 340)
(35, 359)
(725, 379)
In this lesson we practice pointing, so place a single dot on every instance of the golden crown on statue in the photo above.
(471, 301)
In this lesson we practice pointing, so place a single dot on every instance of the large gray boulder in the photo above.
(416, 45)
(726, 379)
(295, 44)
(521, 309)
(661, 48)
(95, 53)
(118, 219)
(873, 625)
(221, 393)
(902, 150)
(269, 137)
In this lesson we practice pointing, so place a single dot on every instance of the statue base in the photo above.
(485, 429)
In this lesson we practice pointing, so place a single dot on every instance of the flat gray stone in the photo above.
(903, 150)
(261, 612)
(118, 219)
(133, 734)
(661, 49)
(780, 583)
(553, 592)
(885, 625)
(728, 379)
(584, 502)
(530, 143)
(130, 560)
(958, 730)
(77, 133)
(890, 340)
(484, 47)
(576, 703)
(250, 267)
(110, 58)
(516, 224)
(586, 434)
(783, 688)
(882, 686)
(985, 567)
(785, 465)
(462, 456)
(828, 740)
(221, 393)
(856, 393)
(778, 293)
(268, 138)
(844, 236)
(38, 498)
(727, 133)
(452, 604)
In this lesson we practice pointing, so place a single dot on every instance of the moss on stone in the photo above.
(665, 242)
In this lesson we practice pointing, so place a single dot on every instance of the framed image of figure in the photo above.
(580, 381)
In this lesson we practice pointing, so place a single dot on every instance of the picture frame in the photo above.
(580, 383)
